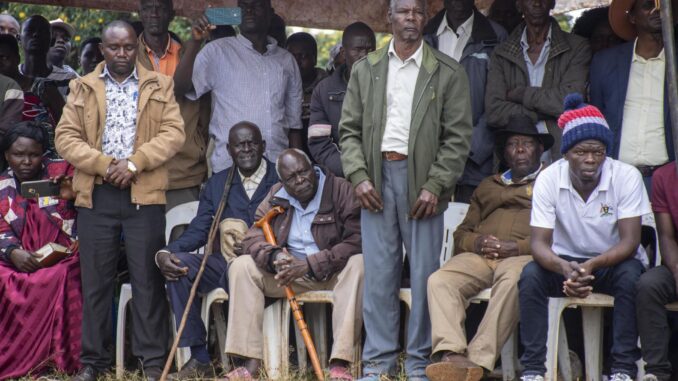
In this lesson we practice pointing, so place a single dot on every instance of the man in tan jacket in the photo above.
(492, 247)
(120, 125)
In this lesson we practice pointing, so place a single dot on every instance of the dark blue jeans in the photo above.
(537, 284)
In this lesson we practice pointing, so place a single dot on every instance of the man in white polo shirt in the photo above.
(586, 212)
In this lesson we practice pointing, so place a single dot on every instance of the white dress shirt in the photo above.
(402, 78)
(453, 43)
(642, 138)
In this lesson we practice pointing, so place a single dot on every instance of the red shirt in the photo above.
(664, 191)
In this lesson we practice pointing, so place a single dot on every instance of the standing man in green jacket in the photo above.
(404, 134)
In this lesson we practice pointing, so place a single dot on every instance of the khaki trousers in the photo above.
(249, 285)
(449, 291)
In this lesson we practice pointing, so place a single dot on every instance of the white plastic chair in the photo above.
(592, 321)
(314, 313)
(453, 217)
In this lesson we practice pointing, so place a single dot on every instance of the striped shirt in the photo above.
(264, 89)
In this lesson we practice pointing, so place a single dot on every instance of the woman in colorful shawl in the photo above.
(40, 308)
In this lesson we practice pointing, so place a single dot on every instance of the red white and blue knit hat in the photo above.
(581, 121)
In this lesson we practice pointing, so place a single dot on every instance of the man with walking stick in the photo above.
(319, 246)
(245, 185)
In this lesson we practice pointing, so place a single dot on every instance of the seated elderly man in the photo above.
(492, 246)
(318, 249)
(586, 212)
(250, 184)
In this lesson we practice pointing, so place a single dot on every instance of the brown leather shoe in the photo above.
(454, 367)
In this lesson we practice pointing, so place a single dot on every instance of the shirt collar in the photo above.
(464, 28)
(314, 205)
(271, 45)
(507, 177)
(637, 58)
(171, 48)
(416, 57)
(523, 39)
(106, 74)
(605, 176)
(257, 175)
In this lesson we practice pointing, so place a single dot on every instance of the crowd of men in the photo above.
(557, 140)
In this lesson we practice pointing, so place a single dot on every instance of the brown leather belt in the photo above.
(393, 156)
(648, 170)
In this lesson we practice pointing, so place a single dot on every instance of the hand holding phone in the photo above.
(40, 188)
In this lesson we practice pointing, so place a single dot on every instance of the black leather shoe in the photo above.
(194, 369)
(87, 373)
(152, 373)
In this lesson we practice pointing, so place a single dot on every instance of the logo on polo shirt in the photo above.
(605, 210)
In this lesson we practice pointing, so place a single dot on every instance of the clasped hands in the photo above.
(492, 247)
(119, 175)
(289, 268)
(578, 279)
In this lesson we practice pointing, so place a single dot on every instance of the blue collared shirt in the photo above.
(300, 242)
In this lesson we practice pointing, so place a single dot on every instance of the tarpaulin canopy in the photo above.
(325, 14)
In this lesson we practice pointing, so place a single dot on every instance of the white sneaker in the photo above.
(620, 377)
(650, 377)
(532, 377)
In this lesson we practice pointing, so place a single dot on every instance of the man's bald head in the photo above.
(118, 24)
(9, 25)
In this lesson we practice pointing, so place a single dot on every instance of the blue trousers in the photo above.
(537, 284)
(383, 235)
(214, 276)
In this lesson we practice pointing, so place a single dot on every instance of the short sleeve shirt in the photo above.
(587, 229)
(264, 89)
(664, 193)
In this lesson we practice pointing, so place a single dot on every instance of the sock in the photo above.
(199, 352)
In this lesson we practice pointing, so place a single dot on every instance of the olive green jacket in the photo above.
(440, 130)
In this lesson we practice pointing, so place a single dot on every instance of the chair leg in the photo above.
(554, 338)
(593, 344)
(220, 327)
(564, 363)
(509, 357)
(302, 353)
(317, 321)
(125, 297)
(286, 312)
(272, 330)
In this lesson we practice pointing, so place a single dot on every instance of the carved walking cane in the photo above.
(265, 224)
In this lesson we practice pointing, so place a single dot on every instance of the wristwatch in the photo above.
(131, 167)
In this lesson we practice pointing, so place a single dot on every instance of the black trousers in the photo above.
(656, 288)
(99, 230)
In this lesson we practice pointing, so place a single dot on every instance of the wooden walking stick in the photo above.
(208, 251)
(265, 224)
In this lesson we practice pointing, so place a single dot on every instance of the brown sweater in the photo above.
(500, 210)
